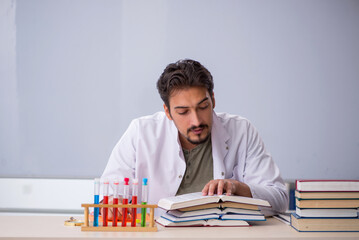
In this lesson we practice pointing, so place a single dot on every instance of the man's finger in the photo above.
(212, 187)
(220, 187)
(205, 189)
(229, 187)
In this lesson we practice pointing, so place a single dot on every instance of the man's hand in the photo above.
(110, 210)
(228, 186)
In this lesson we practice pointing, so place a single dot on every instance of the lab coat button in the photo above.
(222, 173)
(180, 176)
(227, 147)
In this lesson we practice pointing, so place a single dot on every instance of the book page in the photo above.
(216, 222)
(186, 200)
(167, 223)
(193, 199)
(204, 206)
(245, 200)
(185, 197)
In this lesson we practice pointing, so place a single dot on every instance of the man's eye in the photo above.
(204, 107)
(183, 113)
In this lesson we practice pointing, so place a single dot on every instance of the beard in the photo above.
(199, 140)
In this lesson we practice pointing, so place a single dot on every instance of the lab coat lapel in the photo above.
(219, 138)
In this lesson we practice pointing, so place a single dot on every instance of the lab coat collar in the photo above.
(220, 148)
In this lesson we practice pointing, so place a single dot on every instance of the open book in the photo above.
(200, 223)
(244, 217)
(195, 199)
(221, 205)
(217, 211)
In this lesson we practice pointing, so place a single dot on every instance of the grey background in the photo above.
(75, 73)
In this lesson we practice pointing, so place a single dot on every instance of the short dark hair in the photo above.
(183, 74)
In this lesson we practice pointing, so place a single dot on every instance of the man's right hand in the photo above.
(227, 186)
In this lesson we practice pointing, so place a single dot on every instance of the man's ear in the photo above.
(167, 111)
(213, 100)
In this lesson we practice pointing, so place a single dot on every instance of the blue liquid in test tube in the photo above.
(96, 201)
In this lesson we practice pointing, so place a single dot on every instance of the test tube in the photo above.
(126, 192)
(144, 201)
(105, 185)
(96, 201)
(115, 201)
(134, 201)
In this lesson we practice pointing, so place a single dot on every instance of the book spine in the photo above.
(327, 180)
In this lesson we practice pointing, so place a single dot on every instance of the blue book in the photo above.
(243, 217)
(205, 223)
(324, 224)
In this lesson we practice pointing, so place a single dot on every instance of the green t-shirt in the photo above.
(199, 168)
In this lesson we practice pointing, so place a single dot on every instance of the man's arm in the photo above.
(260, 177)
(121, 163)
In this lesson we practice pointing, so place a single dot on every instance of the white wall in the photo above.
(9, 116)
(84, 69)
(45, 195)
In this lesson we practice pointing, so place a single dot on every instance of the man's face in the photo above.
(191, 111)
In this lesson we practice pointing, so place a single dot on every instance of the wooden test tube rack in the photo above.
(150, 227)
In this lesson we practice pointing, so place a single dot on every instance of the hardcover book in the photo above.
(196, 199)
(327, 185)
(302, 224)
(203, 223)
(332, 203)
(221, 205)
(326, 195)
(244, 217)
(325, 212)
(218, 211)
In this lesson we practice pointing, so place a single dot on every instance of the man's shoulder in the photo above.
(158, 118)
(231, 119)
(234, 126)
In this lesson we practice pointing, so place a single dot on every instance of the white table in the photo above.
(52, 227)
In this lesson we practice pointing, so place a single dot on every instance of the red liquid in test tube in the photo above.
(134, 201)
(105, 185)
(115, 201)
(126, 190)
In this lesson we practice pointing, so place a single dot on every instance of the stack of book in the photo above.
(193, 209)
(326, 205)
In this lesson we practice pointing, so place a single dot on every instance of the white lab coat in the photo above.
(151, 148)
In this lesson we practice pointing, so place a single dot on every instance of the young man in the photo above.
(190, 148)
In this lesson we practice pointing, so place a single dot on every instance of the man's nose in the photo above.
(195, 119)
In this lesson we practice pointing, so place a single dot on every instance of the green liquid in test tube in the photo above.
(144, 201)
